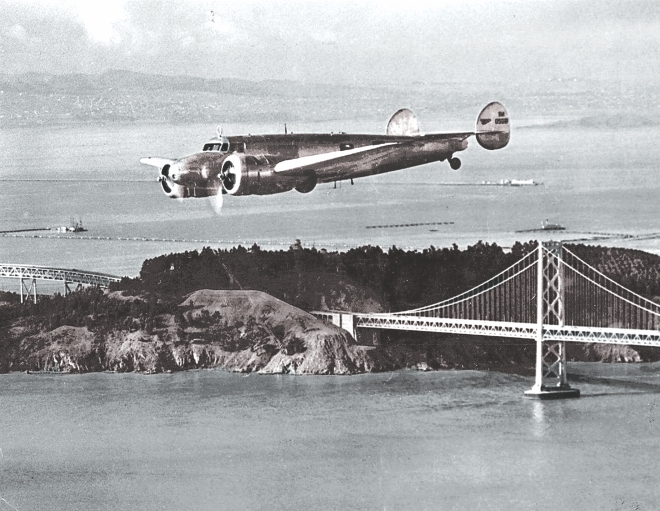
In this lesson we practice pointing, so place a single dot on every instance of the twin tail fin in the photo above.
(493, 130)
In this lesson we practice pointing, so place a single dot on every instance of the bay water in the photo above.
(211, 440)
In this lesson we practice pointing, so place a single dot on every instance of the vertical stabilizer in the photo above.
(403, 123)
(493, 128)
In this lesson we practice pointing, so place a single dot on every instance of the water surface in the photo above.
(403, 440)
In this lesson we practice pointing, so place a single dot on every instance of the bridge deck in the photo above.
(23, 271)
(501, 329)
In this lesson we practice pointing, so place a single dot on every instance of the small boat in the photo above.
(547, 226)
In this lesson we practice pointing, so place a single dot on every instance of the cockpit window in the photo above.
(221, 146)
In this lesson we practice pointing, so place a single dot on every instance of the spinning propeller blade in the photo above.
(216, 201)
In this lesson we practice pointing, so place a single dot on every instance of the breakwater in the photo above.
(25, 230)
(393, 226)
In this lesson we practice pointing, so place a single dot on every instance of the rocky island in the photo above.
(192, 310)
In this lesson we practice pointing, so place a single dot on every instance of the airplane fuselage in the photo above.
(268, 164)
(362, 155)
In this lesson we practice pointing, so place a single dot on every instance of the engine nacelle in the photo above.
(231, 174)
(254, 175)
(190, 187)
(170, 188)
(174, 191)
(307, 184)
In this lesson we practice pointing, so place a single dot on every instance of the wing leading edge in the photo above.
(316, 161)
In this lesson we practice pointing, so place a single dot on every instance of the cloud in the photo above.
(100, 18)
(330, 41)
(16, 31)
(49, 39)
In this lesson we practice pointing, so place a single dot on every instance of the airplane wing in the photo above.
(318, 162)
(396, 153)
(156, 162)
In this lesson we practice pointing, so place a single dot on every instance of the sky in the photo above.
(337, 41)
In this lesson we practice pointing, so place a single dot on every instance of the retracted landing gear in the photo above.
(454, 163)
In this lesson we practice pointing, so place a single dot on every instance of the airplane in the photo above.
(269, 164)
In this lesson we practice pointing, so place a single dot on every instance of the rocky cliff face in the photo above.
(245, 331)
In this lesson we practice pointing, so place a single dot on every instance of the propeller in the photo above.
(227, 176)
(166, 183)
(226, 181)
(216, 201)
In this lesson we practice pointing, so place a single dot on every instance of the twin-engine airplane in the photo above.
(268, 164)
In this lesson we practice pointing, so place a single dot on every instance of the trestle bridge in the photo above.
(550, 296)
(28, 276)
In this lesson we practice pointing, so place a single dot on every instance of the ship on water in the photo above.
(548, 226)
(75, 226)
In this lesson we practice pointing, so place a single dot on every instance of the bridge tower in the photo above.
(551, 381)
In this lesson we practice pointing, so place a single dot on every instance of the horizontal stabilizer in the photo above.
(493, 128)
(403, 123)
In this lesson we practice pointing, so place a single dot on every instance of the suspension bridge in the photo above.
(28, 276)
(550, 296)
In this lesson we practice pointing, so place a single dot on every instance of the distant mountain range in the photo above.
(126, 96)
(87, 84)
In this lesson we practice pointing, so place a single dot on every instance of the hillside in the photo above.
(244, 331)
(126, 97)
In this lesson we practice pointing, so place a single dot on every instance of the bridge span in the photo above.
(30, 274)
(550, 296)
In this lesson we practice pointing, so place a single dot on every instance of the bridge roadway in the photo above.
(34, 273)
(352, 321)
(24, 271)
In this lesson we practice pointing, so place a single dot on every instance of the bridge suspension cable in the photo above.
(594, 299)
(509, 296)
(492, 282)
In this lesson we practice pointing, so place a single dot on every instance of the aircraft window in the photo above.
(220, 145)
